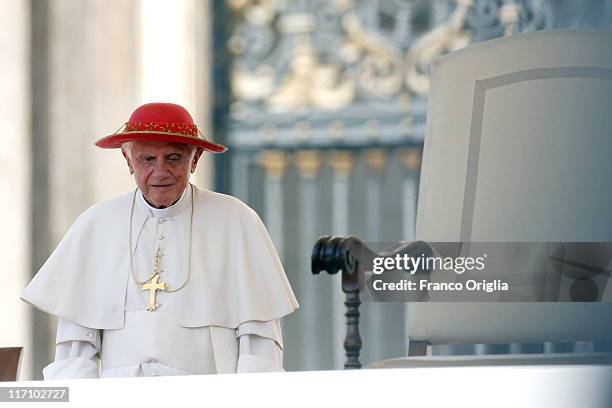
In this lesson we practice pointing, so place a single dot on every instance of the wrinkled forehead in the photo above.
(139, 147)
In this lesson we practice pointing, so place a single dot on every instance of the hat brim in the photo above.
(116, 140)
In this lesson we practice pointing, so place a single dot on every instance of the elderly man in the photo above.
(169, 279)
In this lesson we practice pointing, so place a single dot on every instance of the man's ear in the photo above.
(127, 159)
(196, 157)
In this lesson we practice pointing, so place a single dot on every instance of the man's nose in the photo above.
(162, 168)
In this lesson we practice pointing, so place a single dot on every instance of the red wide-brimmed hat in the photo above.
(160, 122)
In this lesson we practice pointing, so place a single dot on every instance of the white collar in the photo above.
(181, 205)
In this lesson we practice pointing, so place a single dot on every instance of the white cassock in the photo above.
(225, 319)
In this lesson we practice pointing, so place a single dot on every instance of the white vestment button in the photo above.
(90, 334)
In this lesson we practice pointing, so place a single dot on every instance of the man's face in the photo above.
(161, 170)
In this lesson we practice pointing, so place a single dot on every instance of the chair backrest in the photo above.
(10, 361)
(518, 149)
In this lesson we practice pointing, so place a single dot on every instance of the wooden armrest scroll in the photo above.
(349, 254)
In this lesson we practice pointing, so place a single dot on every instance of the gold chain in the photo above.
(190, 244)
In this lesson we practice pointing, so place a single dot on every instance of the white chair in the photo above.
(518, 149)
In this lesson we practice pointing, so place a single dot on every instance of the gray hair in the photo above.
(127, 148)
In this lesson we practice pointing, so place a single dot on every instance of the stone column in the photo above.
(15, 176)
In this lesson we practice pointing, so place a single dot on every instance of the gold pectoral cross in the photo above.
(152, 287)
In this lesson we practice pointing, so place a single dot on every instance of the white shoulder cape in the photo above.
(236, 273)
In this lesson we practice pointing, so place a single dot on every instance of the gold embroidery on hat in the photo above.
(178, 129)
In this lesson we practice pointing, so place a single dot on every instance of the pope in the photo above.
(169, 279)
